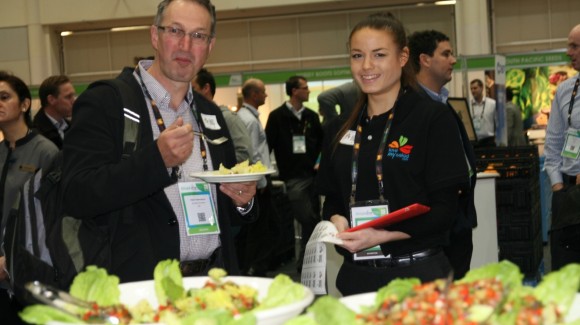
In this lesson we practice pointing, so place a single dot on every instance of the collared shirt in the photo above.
(297, 113)
(60, 126)
(191, 247)
(438, 97)
(249, 115)
(484, 117)
(555, 164)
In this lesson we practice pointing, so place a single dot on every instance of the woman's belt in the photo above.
(400, 260)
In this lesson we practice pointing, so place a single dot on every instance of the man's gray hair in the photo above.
(204, 3)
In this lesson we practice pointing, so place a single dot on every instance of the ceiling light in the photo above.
(66, 33)
(128, 28)
(445, 3)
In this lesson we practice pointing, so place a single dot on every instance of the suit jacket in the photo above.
(45, 127)
(467, 216)
(125, 196)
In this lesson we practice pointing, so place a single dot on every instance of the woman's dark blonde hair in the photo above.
(384, 21)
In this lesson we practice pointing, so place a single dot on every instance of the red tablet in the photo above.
(407, 212)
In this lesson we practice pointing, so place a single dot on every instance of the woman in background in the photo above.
(395, 149)
(22, 153)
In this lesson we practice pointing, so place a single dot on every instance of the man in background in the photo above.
(345, 96)
(515, 124)
(484, 115)
(562, 164)
(295, 135)
(256, 240)
(432, 58)
(57, 96)
(204, 83)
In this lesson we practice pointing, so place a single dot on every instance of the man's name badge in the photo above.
(198, 208)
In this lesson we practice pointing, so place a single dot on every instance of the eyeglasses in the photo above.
(195, 37)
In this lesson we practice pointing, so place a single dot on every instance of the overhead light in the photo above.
(129, 28)
(66, 33)
(444, 3)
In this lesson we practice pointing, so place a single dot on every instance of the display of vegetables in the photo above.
(492, 294)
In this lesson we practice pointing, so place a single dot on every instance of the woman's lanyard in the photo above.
(574, 91)
(482, 110)
(378, 162)
(175, 171)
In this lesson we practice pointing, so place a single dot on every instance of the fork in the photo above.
(216, 142)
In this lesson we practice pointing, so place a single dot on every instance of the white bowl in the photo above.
(133, 292)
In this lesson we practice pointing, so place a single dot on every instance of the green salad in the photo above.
(218, 302)
(492, 294)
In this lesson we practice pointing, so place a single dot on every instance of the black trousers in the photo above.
(560, 248)
(354, 279)
(459, 252)
(256, 241)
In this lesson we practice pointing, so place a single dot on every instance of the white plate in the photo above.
(133, 292)
(213, 177)
(355, 302)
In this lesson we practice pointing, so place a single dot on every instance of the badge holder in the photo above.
(365, 211)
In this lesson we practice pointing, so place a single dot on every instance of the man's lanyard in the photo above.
(574, 91)
(482, 110)
(175, 171)
(378, 162)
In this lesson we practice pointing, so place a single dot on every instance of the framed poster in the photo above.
(461, 106)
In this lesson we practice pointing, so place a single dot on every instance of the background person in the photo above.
(389, 153)
(484, 115)
(432, 59)
(57, 96)
(22, 152)
(204, 83)
(562, 164)
(345, 96)
(515, 124)
(294, 134)
(137, 199)
(256, 240)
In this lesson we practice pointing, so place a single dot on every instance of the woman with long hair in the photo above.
(22, 153)
(395, 149)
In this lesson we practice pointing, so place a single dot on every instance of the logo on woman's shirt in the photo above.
(400, 149)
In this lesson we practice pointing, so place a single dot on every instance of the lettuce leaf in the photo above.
(559, 287)
(505, 271)
(329, 310)
(282, 291)
(398, 289)
(96, 285)
(168, 281)
(41, 314)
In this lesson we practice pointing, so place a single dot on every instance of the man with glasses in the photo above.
(146, 202)
(294, 134)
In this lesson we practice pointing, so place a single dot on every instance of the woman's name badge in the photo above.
(198, 208)
(348, 138)
(362, 212)
(572, 145)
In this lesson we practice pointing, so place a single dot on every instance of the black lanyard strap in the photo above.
(482, 110)
(574, 91)
(175, 171)
(379, 156)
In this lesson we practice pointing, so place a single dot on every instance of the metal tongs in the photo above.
(216, 142)
(66, 303)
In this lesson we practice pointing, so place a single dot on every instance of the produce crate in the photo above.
(506, 152)
(509, 162)
(518, 225)
(527, 254)
(517, 194)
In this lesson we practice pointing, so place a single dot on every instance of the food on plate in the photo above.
(243, 167)
(219, 301)
(492, 294)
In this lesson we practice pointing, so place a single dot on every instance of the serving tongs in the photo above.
(216, 142)
(68, 304)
